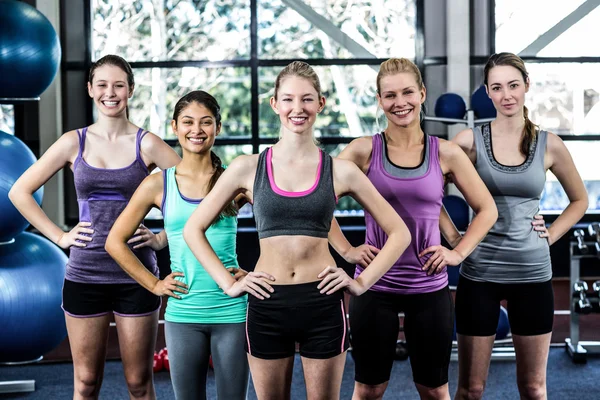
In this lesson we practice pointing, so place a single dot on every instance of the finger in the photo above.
(78, 244)
(326, 280)
(84, 224)
(428, 250)
(254, 293)
(261, 274)
(178, 283)
(440, 267)
(538, 216)
(371, 255)
(435, 265)
(373, 249)
(232, 270)
(85, 230)
(544, 234)
(262, 283)
(257, 289)
(145, 244)
(171, 294)
(431, 260)
(339, 286)
(135, 239)
(331, 285)
(364, 262)
(327, 270)
(84, 238)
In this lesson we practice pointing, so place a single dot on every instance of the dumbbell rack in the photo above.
(470, 120)
(577, 349)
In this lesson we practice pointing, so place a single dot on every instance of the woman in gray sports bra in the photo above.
(294, 187)
(512, 263)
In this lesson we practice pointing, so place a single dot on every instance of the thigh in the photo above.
(137, 341)
(133, 300)
(374, 326)
(268, 333)
(323, 377)
(88, 340)
(530, 308)
(477, 307)
(189, 351)
(532, 358)
(428, 327)
(272, 378)
(86, 299)
(229, 360)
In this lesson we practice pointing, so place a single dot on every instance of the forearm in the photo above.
(32, 212)
(122, 254)
(479, 227)
(395, 245)
(569, 217)
(204, 253)
(338, 240)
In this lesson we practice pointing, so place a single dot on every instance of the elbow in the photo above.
(188, 233)
(13, 194)
(111, 245)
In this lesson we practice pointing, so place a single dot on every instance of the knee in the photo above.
(139, 386)
(470, 392)
(368, 392)
(87, 385)
(532, 390)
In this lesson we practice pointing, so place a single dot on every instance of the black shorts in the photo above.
(96, 299)
(530, 307)
(296, 314)
(428, 328)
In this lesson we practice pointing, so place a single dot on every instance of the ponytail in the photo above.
(529, 133)
(229, 210)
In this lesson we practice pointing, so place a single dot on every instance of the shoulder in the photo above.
(244, 164)
(67, 144)
(362, 146)
(553, 141)
(449, 149)
(344, 168)
(150, 140)
(153, 183)
(464, 138)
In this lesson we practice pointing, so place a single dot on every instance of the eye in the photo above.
(308, 99)
(408, 92)
(187, 122)
(207, 123)
(286, 100)
(514, 85)
(389, 96)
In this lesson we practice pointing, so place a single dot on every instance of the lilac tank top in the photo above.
(102, 195)
(416, 195)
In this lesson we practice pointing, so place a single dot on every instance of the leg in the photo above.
(137, 341)
(532, 360)
(323, 377)
(428, 326)
(88, 340)
(272, 378)
(229, 360)
(189, 350)
(477, 311)
(373, 349)
(531, 315)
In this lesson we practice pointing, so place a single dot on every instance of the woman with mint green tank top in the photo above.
(512, 263)
(201, 320)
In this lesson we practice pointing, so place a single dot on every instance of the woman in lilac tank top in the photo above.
(109, 160)
(409, 168)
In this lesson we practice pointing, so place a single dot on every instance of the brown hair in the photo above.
(512, 60)
(115, 61)
(301, 70)
(208, 101)
(395, 66)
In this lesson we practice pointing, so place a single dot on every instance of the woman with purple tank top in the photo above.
(409, 169)
(512, 156)
(109, 160)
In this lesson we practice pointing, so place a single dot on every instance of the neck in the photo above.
(112, 126)
(509, 125)
(404, 136)
(198, 163)
(298, 145)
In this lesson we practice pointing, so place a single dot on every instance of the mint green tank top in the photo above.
(205, 303)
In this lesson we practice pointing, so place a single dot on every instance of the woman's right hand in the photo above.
(75, 237)
(254, 283)
(170, 285)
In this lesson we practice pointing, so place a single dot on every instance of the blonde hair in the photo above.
(395, 66)
(301, 70)
(513, 60)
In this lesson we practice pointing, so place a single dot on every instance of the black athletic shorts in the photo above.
(296, 314)
(96, 299)
(530, 307)
(428, 328)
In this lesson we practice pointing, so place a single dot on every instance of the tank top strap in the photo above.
(164, 196)
(261, 178)
(480, 152)
(81, 134)
(434, 153)
(138, 146)
(542, 141)
(377, 153)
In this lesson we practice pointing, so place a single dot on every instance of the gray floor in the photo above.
(565, 380)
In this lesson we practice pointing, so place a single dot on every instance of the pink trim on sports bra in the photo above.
(285, 193)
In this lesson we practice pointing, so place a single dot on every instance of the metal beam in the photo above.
(561, 27)
(330, 29)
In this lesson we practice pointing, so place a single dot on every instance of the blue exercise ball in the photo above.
(15, 158)
(32, 271)
(29, 51)
(481, 104)
(450, 105)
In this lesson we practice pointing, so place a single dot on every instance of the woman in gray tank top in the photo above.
(512, 263)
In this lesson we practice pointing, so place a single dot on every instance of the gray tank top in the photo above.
(512, 252)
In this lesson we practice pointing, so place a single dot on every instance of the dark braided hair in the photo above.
(208, 101)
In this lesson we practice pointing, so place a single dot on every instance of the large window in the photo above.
(7, 118)
(563, 61)
(234, 49)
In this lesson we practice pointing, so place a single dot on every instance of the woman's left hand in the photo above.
(146, 237)
(335, 278)
(238, 273)
(539, 225)
(440, 258)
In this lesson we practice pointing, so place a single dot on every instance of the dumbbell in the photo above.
(580, 236)
(582, 305)
(594, 231)
(595, 296)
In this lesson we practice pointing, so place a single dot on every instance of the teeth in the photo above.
(401, 112)
(298, 119)
(196, 140)
(110, 103)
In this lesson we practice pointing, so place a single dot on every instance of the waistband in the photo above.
(300, 295)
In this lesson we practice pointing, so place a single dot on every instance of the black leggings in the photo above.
(428, 327)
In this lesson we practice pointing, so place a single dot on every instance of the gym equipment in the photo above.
(401, 351)
(481, 104)
(594, 231)
(582, 303)
(32, 271)
(30, 51)
(577, 349)
(157, 363)
(15, 158)
(503, 328)
(581, 245)
(450, 105)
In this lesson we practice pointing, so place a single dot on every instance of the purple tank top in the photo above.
(102, 195)
(417, 198)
